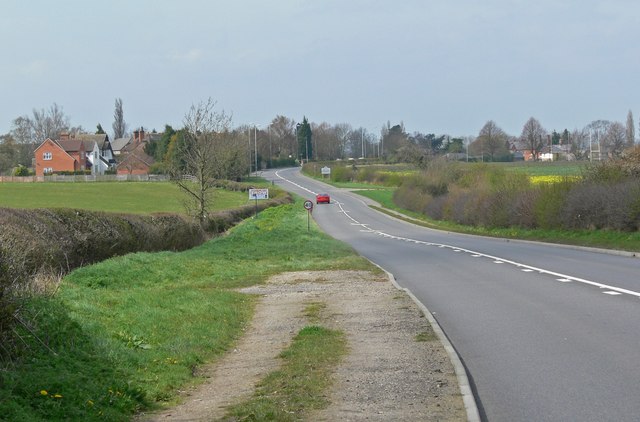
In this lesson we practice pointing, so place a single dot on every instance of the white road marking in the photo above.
(612, 293)
(524, 267)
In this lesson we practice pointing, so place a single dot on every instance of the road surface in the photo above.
(547, 333)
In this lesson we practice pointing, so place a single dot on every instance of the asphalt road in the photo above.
(547, 333)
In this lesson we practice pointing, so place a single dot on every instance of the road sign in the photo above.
(325, 170)
(258, 193)
(308, 205)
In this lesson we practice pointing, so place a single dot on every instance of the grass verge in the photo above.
(300, 385)
(127, 333)
(607, 239)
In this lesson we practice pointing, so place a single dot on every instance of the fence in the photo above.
(88, 178)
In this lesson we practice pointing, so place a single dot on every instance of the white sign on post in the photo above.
(325, 170)
(258, 193)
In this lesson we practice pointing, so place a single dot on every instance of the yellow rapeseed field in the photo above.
(537, 180)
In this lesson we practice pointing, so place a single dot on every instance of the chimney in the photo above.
(64, 136)
(141, 134)
(136, 138)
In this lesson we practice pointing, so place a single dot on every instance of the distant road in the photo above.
(547, 333)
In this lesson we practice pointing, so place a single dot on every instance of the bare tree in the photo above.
(597, 137)
(119, 125)
(22, 130)
(28, 132)
(326, 143)
(492, 138)
(580, 143)
(615, 139)
(9, 152)
(50, 123)
(202, 156)
(343, 133)
(630, 133)
(42, 125)
(533, 137)
(282, 130)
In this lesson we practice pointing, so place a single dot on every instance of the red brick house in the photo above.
(62, 155)
(132, 158)
(74, 153)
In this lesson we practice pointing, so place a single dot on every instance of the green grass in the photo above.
(126, 197)
(127, 333)
(313, 311)
(299, 386)
(425, 336)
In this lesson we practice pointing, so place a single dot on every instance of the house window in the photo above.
(48, 170)
(47, 156)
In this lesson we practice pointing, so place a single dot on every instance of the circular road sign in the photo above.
(308, 205)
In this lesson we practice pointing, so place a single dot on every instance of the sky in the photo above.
(436, 66)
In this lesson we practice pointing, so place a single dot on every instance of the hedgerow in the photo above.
(41, 245)
(606, 197)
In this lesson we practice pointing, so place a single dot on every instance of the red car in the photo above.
(323, 197)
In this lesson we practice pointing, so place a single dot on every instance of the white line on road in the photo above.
(524, 267)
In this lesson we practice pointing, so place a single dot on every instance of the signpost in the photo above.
(325, 171)
(308, 205)
(258, 194)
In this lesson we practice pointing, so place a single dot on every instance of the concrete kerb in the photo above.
(468, 398)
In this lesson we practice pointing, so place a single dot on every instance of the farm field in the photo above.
(135, 198)
(556, 168)
(539, 172)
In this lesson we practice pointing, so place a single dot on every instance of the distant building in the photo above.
(73, 153)
(132, 159)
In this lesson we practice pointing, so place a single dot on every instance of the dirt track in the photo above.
(387, 375)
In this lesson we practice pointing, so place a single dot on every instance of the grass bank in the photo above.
(125, 334)
(608, 239)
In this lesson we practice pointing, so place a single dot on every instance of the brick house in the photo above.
(132, 159)
(74, 153)
(61, 155)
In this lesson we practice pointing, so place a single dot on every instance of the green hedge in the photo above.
(41, 244)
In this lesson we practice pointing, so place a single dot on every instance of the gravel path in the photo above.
(387, 375)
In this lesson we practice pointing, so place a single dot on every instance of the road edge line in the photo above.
(468, 399)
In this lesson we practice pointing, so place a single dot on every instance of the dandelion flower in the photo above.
(43, 392)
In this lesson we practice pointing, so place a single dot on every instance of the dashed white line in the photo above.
(611, 290)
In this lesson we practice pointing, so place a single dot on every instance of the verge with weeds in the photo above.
(125, 334)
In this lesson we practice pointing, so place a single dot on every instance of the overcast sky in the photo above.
(439, 66)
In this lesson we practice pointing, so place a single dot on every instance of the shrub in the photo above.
(550, 203)
(406, 196)
(604, 172)
(343, 174)
(281, 162)
(21, 171)
(603, 206)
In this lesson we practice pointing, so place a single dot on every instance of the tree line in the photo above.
(283, 141)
